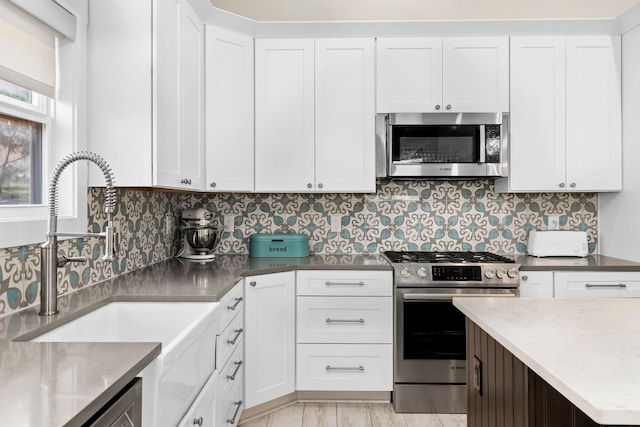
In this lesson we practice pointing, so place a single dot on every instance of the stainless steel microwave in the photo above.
(443, 145)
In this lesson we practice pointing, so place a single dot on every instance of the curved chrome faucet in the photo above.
(49, 249)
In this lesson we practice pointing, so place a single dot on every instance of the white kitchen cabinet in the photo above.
(270, 337)
(145, 92)
(565, 115)
(451, 74)
(315, 120)
(229, 113)
(344, 330)
(202, 412)
(600, 284)
(536, 284)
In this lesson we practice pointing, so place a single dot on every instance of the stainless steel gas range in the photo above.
(429, 333)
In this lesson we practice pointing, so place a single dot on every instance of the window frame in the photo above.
(65, 132)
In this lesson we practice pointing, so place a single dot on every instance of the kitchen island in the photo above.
(553, 362)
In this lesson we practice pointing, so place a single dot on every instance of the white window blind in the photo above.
(28, 47)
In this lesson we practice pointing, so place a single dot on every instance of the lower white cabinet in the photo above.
(536, 284)
(601, 284)
(270, 337)
(232, 404)
(203, 410)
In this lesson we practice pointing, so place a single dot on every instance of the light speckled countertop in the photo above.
(587, 349)
(62, 384)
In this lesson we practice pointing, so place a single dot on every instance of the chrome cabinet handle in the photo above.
(573, 185)
(344, 283)
(320, 185)
(344, 368)
(605, 285)
(309, 185)
(235, 372)
(198, 421)
(252, 283)
(186, 181)
(330, 320)
(234, 306)
(448, 106)
(238, 333)
(235, 414)
(561, 185)
(438, 107)
(525, 278)
(212, 185)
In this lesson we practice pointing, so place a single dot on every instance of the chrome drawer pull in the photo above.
(344, 284)
(233, 307)
(344, 368)
(604, 285)
(235, 372)
(329, 320)
(235, 414)
(233, 341)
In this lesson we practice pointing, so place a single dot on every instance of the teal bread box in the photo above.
(278, 245)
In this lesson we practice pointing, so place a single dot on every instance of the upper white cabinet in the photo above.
(452, 74)
(145, 84)
(229, 111)
(315, 117)
(565, 115)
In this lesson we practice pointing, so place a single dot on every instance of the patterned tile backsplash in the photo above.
(415, 215)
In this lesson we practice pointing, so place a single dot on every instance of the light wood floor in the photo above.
(352, 415)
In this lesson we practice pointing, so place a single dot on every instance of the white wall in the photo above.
(619, 215)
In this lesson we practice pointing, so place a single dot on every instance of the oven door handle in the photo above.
(426, 296)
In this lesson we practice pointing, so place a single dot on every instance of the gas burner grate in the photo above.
(445, 257)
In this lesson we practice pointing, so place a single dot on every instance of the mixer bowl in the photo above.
(203, 240)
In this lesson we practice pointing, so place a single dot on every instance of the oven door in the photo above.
(430, 343)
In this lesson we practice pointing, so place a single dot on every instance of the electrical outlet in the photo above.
(336, 225)
(553, 222)
(228, 223)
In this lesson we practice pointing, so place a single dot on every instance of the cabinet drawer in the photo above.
(232, 372)
(230, 305)
(345, 283)
(597, 285)
(231, 408)
(344, 367)
(229, 339)
(345, 320)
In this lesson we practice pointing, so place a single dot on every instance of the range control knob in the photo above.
(422, 272)
(405, 272)
(489, 273)
(500, 273)
(512, 272)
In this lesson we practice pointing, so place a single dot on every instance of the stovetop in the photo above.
(445, 257)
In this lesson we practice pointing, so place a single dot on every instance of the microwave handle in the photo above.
(483, 144)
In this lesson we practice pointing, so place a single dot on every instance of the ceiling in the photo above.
(423, 10)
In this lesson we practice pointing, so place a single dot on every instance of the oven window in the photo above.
(433, 330)
(435, 144)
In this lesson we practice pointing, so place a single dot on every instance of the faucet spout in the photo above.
(49, 249)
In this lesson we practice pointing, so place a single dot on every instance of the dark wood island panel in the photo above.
(503, 392)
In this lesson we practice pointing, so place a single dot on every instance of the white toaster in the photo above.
(558, 243)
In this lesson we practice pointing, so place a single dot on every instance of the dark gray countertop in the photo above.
(61, 384)
(590, 263)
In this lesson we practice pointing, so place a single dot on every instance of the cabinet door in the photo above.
(409, 75)
(594, 161)
(229, 112)
(537, 145)
(270, 337)
(284, 115)
(536, 284)
(202, 411)
(475, 74)
(345, 117)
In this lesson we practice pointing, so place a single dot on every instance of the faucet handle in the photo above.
(63, 260)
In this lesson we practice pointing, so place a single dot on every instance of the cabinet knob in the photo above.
(309, 185)
(186, 181)
(319, 185)
(448, 106)
(438, 107)
(212, 185)
(573, 185)
(252, 283)
(525, 278)
(198, 421)
(561, 185)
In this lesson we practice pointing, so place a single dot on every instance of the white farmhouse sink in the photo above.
(187, 332)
